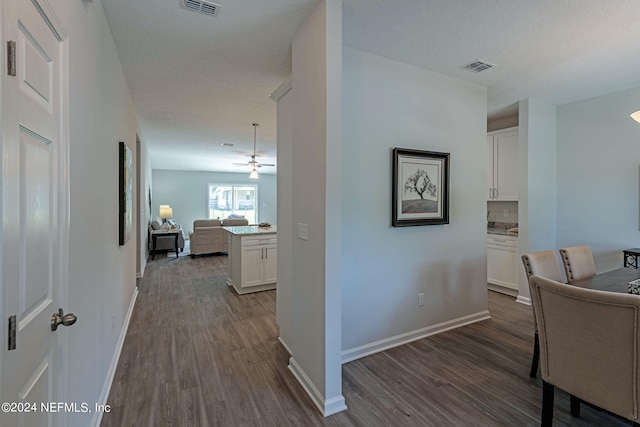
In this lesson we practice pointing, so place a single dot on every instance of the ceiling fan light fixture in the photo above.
(254, 172)
(636, 116)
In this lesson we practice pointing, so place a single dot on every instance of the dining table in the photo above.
(613, 281)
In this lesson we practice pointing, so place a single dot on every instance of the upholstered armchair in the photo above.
(545, 264)
(589, 347)
(208, 236)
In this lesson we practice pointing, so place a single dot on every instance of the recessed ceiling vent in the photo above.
(477, 66)
(200, 6)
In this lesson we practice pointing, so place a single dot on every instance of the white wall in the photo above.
(187, 193)
(598, 158)
(285, 212)
(537, 178)
(101, 273)
(316, 186)
(389, 104)
(502, 123)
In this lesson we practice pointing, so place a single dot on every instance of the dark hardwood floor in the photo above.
(197, 354)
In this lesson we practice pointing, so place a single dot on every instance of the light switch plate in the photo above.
(303, 231)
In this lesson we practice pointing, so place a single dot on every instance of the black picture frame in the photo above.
(125, 192)
(420, 192)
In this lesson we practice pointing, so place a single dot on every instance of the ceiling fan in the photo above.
(253, 162)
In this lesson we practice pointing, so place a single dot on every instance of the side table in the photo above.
(631, 257)
(162, 233)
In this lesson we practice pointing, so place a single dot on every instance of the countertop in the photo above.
(247, 230)
(502, 228)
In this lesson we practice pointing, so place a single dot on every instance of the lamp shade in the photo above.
(253, 174)
(636, 116)
(166, 212)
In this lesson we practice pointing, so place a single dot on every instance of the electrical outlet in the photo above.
(506, 213)
(420, 299)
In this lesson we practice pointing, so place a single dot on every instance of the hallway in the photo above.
(198, 354)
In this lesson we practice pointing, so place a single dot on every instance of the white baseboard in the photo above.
(502, 289)
(523, 300)
(106, 388)
(284, 344)
(395, 341)
(325, 406)
(140, 274)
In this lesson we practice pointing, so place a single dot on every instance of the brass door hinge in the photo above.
(12, 333)
(11, 58)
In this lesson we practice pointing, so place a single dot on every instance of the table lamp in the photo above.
(165, 213)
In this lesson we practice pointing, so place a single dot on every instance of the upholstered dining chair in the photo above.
(578, 263)
(589, 347)
(545, 264)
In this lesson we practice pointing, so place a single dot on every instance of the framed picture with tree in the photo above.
(420, 193)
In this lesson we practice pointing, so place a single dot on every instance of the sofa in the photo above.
(165, 243)
(208, 235)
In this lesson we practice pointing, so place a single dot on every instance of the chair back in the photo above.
(543, 263)
(578, 263)
(589, 343)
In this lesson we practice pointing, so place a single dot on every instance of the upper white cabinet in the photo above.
(502, 165)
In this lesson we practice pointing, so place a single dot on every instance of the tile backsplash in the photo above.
(499, 212)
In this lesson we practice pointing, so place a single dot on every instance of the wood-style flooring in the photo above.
(198, 354)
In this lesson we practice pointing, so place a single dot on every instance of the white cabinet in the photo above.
(252, 262)
(502, 165)
(258, 264)
(502, 263)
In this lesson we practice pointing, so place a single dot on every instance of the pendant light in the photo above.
(636, 116)
(254, 172)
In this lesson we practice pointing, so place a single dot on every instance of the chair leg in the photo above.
(547, 404)
(536, 357)
(574, 402)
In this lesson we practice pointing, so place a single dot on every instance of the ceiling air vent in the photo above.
(204, 7)
(478, 65)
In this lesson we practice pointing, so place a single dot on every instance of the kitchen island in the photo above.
(252, 258)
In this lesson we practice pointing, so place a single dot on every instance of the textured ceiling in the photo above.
(199, 81)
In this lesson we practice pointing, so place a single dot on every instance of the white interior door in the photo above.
(34, 214)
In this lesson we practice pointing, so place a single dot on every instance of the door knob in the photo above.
(60, 318)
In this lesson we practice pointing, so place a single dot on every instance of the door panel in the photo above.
(35, 288)
(32, 160)
(36, 70)
(37, 385)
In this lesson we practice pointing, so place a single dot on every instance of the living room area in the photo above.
(191, 195)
